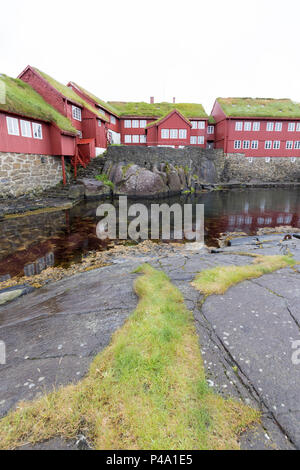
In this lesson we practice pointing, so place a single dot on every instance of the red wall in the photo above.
(173, 122)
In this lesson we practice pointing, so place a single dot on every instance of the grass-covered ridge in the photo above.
(219, 279)
(157, 110)
(259, 107)
(70, 94)
(147, 390)
(22, 99)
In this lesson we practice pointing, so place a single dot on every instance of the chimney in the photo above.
(174, 100)
(152, 100)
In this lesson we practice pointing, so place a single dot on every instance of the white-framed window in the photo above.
(112, 119)
(246, 144)
(99, 123)
(256, 126)
(278, 126)
(194, 124)
(267, 159)
(201, 124)
(211, 129)
(143, 139)
(200, 139)
(135, 124)
(101, 111)
(293, 159)
(37, 131)
(254, 144)
(135, 139)
(165, 133)
(76, 113)
(25, 128)
(12, 126)
(276, 144)
(270, 126)
(182, 133)
(289, 145)
(297, 144)
(291, 127)
(127, 139)
(239, 126)
(127, 124)
(143, 124)
(298, 127)
(268, 144)
(193, 140)
(237, 144)
(247, 126)
(173, 133)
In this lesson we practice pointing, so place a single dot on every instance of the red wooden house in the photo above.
(257, 127)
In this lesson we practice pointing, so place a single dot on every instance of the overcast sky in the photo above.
(194, 50)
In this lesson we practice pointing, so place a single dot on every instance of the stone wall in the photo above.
(23, 173)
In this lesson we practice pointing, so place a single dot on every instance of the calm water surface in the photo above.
(30, 244)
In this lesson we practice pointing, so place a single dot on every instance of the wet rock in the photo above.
(12, 293)
(94, 188)
(76, 191)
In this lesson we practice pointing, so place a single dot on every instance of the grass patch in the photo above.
(219, 279)
(259, 107)
(158, 110)
(105, 180)
(147, 390)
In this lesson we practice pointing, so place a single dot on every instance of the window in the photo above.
(200, 140)
(26, 129)
(127, 139)
(276, 144)
(165, 133)
(247, 126)
(37, 131)
(256, 126)
(297, 144)
(182, 133)
(201, 125)
(254, 144)
(143, 124)
(194, 124)
(76, 113)
(246, 144)
(127, 124)
(101, 111)
(113, 119)
(289, 144)
(210, 129)
(135, 124)
(99, 123)
(193, 140)
(174, 134)
(143, 139)
(291, 127)
(238, 126)
(237, 144)
(12, 126)
(298, 127)
(268, 144)
(135, 139)
(270, 126)
(278, 126)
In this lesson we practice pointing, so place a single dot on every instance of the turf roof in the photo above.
(70, 94)
(102, 103)
(158, 110)
(259, 107)
(22, 99)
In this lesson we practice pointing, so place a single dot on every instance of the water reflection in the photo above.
(32, 243)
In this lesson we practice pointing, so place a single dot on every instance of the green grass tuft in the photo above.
(105, 180)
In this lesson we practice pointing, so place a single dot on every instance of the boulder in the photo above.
(94, 188)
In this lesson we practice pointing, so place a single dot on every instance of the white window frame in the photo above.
(194, 125)
(99, 123)
(173, 133)
(37, 131)
(210, 129)
(278, 126)
(276, 144)
(113, 120)
(12, 126)
(136, 139)
(143, 139)
(289, 145)
(270, 127)
(291, 126)
(127, 124)
(247, 126)
(246, 144)
(239, 126)
(297, 144)
(165, 133)
(143, 123)
(254, 144)
(135, 124)
(298, 127)
(128, 139)
(76, 113)
(237, 144)
(193, 140)
(182, 134)
(268, 144)
(26, 128)
(200, 139)
(201, 125)
(256, 126)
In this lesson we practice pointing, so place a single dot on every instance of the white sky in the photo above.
(130, 50)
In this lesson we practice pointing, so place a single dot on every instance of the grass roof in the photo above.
(158, 110)
(22, 99)
(70, 94)
(109, 108)
(259, 107)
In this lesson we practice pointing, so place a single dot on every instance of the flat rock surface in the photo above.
(246, 335)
